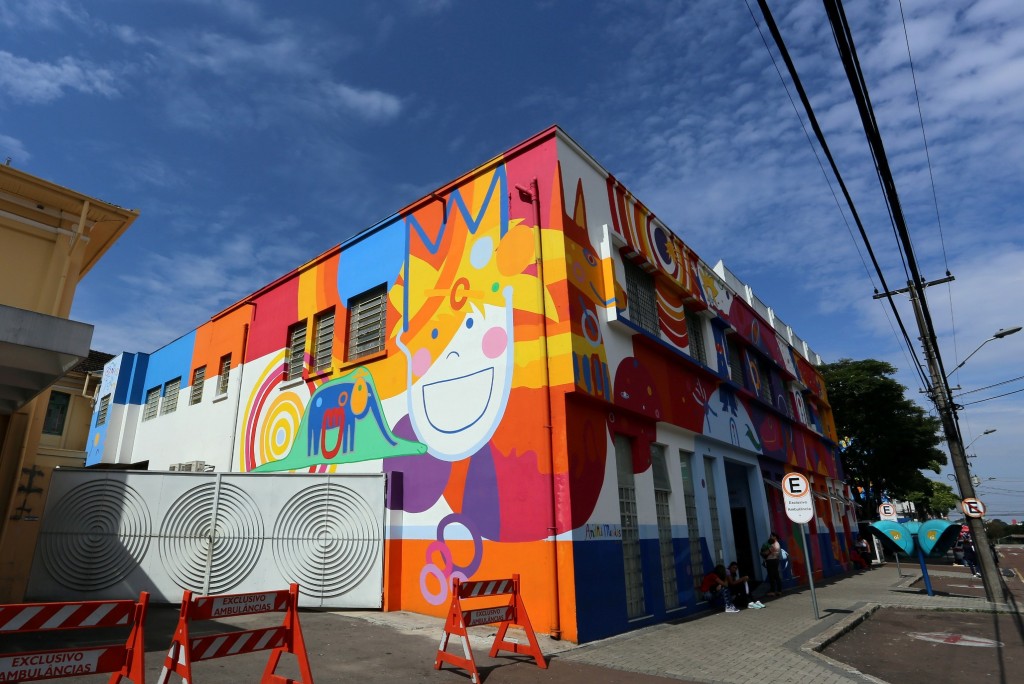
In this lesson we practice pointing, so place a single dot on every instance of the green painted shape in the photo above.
(373, 437)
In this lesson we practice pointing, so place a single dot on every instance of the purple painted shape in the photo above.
(417, 482)
(480, 501)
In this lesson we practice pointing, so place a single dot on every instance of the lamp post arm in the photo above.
(961, 364)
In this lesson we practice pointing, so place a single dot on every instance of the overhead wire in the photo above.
(997, 384)
(828, 181)
(798, 85)
(931, 179)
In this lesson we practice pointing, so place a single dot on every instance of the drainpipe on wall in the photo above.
(533, 194)
(238, 394)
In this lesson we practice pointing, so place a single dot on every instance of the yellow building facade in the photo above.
(50, 237)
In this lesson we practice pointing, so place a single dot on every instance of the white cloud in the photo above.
(13, 149)
(47, 14)
(372, 105)
(41, 82)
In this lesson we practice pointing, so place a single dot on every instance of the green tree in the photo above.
(934, 499)
(885, 439)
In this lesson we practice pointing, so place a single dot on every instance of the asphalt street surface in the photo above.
(875, 625)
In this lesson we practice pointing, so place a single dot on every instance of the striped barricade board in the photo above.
(279, 639)
(506, 615)
(124, 660)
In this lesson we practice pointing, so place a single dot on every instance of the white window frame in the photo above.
(103, 410)
(295, 358)
(641, 298)
(323, 341)
(224, 377)
(367, 323)
(170, 402)
(152, 407)
(198, 381)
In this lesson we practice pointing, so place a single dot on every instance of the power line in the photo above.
(784, 52)
(1004, 382)
(991, 398)
(931, 177)
(821, 166)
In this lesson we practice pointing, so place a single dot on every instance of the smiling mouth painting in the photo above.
(472, 390)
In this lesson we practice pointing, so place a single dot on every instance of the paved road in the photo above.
(777, 644)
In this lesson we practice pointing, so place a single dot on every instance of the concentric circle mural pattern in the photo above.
(206, 529)
(96, 535)
(327, 539)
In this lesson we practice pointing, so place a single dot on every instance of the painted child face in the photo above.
(457, 395)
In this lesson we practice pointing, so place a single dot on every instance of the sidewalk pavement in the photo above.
(777, 644)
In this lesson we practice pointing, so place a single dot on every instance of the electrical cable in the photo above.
(931, 179)
(991, 398)
(1004, 382)
(784, 52)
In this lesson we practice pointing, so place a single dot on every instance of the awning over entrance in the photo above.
(35, 351)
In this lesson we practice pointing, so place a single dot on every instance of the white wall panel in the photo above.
(113, 534)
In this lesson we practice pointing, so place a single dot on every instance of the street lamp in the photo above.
(958, 458)
(995, 336)
(986, 432)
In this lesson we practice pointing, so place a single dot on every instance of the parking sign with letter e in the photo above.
(973, 508)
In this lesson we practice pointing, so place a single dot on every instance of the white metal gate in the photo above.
(111, 534)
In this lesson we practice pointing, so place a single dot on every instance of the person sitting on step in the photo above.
(715, 587)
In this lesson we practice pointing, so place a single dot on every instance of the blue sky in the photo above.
(253, 135)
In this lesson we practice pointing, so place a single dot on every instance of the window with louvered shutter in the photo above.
(642, 306)
(198, 380)
(367, 317)
(101, 415)
(695, 329)
(323, 341)
(225, 371)
(152, 404)
(295, 361)
(171, 390)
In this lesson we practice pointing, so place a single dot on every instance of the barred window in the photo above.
(642, 301)
(198, 380)
(323, 341)
(367, 317)
(295, 361)
(225, 371)
(152, 403)
(735, 362)
(170, 403)
(101, 414)
(695, 329)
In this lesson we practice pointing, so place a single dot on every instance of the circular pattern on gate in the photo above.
(189, 530)
(327, 539)
(95, 535)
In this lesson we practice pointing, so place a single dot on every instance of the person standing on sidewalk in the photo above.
(772, 554)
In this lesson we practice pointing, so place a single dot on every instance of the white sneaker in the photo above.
(732, 609)
(757, 604)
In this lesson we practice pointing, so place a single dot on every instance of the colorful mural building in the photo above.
(552, 381)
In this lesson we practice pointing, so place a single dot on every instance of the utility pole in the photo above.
(947, 412)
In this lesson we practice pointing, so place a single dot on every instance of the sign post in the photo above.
(796, 491)
(887, 511)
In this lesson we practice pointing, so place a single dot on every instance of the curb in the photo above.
(816, 645)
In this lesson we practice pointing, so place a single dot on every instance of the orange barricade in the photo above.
(125, 661)
(285, 638)
(513, 613)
